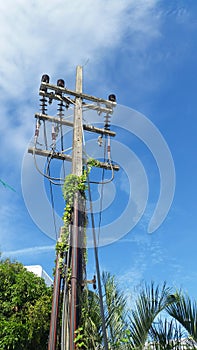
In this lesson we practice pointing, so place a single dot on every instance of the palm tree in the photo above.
(150, 302)
(143, 327)
(89, 335)
(184, 310)
(115, 312)
(166, 335)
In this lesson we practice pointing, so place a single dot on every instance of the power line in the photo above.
(53, 208)
(101, 198)
(98, 270)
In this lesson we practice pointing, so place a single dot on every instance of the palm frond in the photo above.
(150, 302)
(115, 309)
(167, 334)
(184, 310)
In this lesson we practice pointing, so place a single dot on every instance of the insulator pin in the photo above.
(43, 105)
(60, 110)
(107, 122)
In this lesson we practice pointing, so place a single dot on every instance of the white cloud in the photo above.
(131, 280)
(31, 250)
(43, 35)
(53, 37)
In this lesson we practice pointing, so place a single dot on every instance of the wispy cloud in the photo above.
(45, 35)
(130, 281)
(26, 251)
(53, 37)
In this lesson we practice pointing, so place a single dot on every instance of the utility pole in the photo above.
(77, 229)
(78, 127)
(67, 296)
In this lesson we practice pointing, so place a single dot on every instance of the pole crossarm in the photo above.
(62, 156)
(90, 128)
(51, 154)
(59, 90)
(96, 107)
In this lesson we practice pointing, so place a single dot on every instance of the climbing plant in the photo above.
(73, 184)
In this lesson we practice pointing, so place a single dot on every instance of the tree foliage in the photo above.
(184, 310)
(90, 334)
(146, 326)
(167, 334)
(25, 307)
(149, 304)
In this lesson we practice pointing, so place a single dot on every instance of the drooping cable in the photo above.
(53, 207)
(104, 181)
(36, 135)
(97, 269)
(47, 176)
(101, 197)
(51, 179)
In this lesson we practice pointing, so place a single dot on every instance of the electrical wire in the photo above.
(62, 147)
(67, 149)
(51, 179)
(60, 114)
(101, 198)
(53, 208)
(101, 182)
(106, 181)
(45, 135)
(68, 116)
(97, 269)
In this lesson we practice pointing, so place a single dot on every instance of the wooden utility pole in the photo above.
(78, 127)
(68, 303)
(77, 229)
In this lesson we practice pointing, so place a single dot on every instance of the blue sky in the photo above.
(143, 51)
